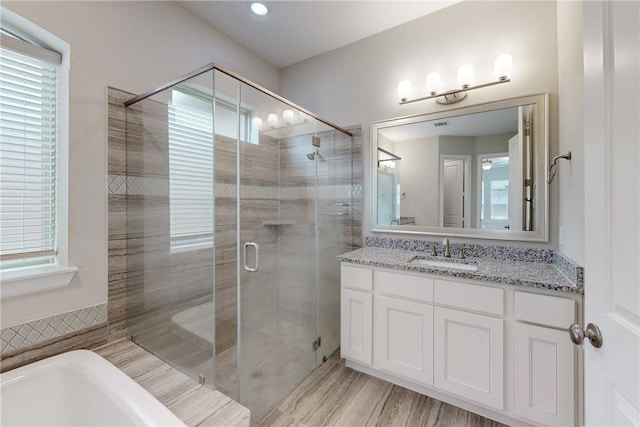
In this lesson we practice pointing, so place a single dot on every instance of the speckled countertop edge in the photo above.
(531, 274)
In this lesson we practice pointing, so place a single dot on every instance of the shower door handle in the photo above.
(257, 265)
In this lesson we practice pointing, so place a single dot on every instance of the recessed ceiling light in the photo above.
(259, 8)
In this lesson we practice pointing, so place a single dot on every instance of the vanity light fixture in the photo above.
(256, 123)
(502, 70)
(272, 120)
(287, 116)
(259, 8)
(404, 89)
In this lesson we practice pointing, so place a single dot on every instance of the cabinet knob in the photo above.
(592, 333)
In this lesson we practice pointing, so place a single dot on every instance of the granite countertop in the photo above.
(542, 275)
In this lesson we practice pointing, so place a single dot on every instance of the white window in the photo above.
(190, 172)
(191, 158)
(33, 158)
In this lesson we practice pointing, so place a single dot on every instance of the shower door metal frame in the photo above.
(214, 66)
(241, 263)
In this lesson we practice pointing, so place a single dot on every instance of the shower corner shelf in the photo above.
(278, 223)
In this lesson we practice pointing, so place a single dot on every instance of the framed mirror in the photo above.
(474, 171)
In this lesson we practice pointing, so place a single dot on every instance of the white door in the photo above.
(453, 195)
(612, 211)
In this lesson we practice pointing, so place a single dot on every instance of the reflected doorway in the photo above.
(455, 183)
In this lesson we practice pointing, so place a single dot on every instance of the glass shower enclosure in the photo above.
(238, 203)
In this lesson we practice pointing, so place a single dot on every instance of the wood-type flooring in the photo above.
(337, 396)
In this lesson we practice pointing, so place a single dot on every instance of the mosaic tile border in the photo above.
(145, 186)
(37, 332)
(138, 185)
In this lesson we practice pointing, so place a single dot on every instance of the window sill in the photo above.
(191, 247)
(35, 279)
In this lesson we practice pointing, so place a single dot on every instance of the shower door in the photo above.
(277, 253)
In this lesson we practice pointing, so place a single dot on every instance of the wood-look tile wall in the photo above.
(153, 276)
(147, 284)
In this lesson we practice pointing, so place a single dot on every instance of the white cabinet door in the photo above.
(355, 325)
(544, 372)
(403, 338)
(469, 356)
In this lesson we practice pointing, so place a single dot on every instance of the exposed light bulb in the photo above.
(287, 116)
(404, 90)
(503, 67)
(465, 76)
(272, 120)
(256, 123)
(434, 85)
(487, 164)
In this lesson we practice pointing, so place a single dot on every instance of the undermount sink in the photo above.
(445, 264)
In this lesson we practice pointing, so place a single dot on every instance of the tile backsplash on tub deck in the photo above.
(43, 331)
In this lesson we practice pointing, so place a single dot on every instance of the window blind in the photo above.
(191, 176)
(28, 89)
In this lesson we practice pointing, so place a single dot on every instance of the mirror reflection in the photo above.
(462, 171)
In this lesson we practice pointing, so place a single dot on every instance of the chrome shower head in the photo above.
(312, 155)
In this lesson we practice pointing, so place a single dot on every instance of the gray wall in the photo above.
(569, 182)
(135, 46)
(358, 83)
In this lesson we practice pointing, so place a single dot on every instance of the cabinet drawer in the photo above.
(356, 277)
(473, 297)
(404, 285)
(545, 310)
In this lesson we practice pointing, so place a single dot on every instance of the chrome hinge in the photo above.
(317, 343)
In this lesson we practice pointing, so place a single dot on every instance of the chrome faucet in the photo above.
(447, 252)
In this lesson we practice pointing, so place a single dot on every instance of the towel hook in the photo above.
(554, 165)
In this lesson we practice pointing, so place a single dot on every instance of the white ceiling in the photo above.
(297, 30)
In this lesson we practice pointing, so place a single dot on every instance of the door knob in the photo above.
(592, 333)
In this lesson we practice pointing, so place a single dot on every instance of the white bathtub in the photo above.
(78, 388)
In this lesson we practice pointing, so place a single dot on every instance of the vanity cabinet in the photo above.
(468, 359)
(469, 347)
(544, 360)
(356, 306)
(403, 325)
(486, 347)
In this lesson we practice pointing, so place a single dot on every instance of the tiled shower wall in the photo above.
(149, 284)
(140, 274)
(338, 231)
